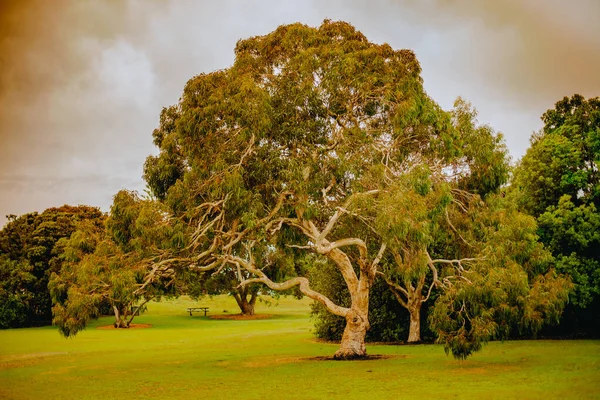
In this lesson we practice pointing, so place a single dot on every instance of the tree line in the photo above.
(317, 165)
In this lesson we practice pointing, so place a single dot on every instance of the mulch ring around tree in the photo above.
(241, 317)
(368, 357)
(132, 326)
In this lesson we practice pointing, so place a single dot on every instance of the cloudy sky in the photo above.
(82, 83)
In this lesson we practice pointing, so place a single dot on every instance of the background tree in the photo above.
(410, 217)
(118, 263)
(511, 288)
(227, 281)
(16, 280)
(558, 182)
(415, 212)
(29, 255)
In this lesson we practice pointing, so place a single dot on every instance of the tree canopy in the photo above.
(29, 255)
(558, 182)
(563, 158)
(316, 145)
(115, 263)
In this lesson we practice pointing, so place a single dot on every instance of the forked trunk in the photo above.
(121, 320)
(352, 345)
(246, 306)
(414, 333)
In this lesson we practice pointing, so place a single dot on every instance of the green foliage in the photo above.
(15, 278)
(113, 264)
(413, 215)
(558, 182)
(29, 254)
(511, 289)
(563, 159)
(574, 235)
(163, 171)
(263, 125)
(485, 164)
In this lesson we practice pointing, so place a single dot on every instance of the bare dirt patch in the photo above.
(319, 340)
(368, 357)
(269, 361)
(132, 326)
(242, 317)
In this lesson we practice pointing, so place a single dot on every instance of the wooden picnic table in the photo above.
(197, 309)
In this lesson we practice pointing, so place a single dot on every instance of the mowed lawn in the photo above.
(183, 357)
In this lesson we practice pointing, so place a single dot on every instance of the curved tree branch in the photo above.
(301, 282)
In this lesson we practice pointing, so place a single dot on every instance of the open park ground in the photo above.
(183, 357)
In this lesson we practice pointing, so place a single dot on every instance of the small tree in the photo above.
(416, 223)
(15, 280)
(510, 288)
(118, 263)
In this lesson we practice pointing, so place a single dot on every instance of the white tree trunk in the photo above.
(120, 319)
(357, 316)
(353, 339)
(414, 333)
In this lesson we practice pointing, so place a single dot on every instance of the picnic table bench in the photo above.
(197, 309)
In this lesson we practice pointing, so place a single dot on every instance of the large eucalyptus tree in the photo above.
(278, 155)
(315, 141)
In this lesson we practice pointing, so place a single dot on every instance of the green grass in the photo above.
(183, 357)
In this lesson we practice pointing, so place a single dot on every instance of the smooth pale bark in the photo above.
(414, 333)
(414, 304)
(412, 296)
(352, 345)
(121, 318)
(412, 299)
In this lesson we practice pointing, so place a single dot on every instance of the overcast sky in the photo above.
(82, 83)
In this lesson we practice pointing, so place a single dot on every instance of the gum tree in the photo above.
(312, 144)
(117, 263)
(511, 289)
(417, 222)
(280, 154)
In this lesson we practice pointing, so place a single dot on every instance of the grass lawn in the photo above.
(183, 357)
